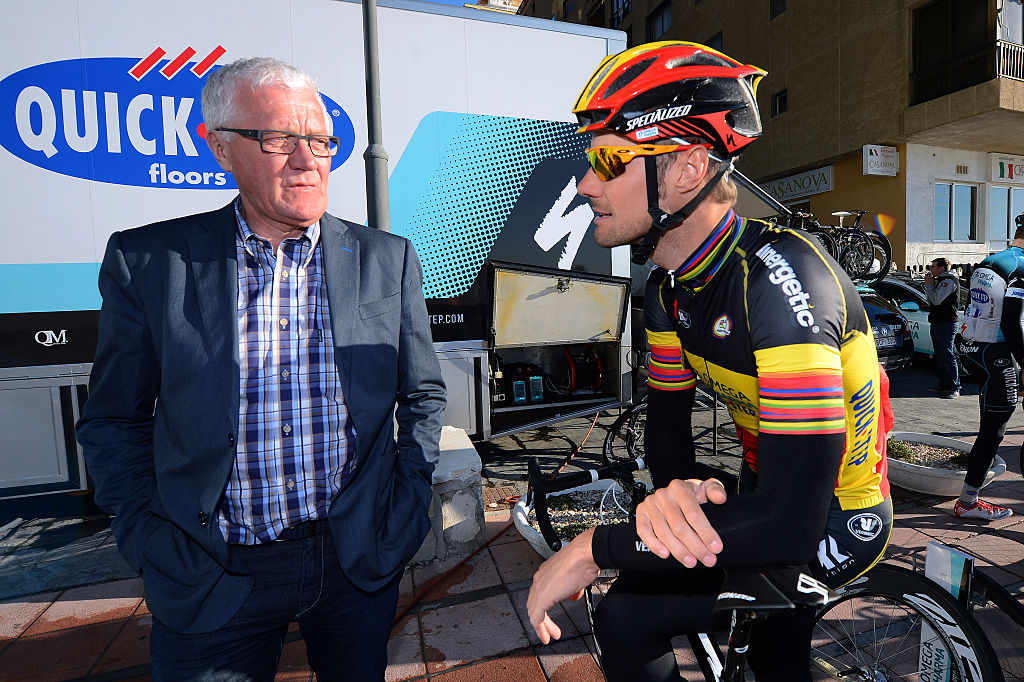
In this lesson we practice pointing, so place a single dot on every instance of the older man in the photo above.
(943, 290)
(240, 424)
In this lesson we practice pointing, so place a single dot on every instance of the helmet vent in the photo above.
(628, 76)
(698, 59)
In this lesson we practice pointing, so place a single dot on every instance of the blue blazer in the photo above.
(159, 427)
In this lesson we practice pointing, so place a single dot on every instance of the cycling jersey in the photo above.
(785, 344)
(779, 332)
(997, 281)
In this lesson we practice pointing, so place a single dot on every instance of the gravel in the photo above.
(928, 455)
(574, 512)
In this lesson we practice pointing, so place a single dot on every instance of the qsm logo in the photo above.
(124, 121)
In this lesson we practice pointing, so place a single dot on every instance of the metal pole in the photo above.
(375, 156)
(759, 192)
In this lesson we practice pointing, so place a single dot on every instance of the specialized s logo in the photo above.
(124, 121)
(684, 319)
(782, 275)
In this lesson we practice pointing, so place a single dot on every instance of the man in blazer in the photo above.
(252, 364)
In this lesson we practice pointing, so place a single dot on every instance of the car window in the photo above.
(899, 294)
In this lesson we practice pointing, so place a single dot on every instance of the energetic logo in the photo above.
(782, 275)
(124, 121)
(722, 326)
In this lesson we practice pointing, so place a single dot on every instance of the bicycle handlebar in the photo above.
(541, 486)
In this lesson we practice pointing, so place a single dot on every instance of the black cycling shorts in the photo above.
(994, 362)
(854, 540)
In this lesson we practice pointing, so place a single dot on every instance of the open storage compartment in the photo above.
(555, 348)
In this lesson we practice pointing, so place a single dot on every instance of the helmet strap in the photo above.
(661, 221)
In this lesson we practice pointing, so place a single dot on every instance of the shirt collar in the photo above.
(246, 236)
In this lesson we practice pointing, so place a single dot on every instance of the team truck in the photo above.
(101, 130)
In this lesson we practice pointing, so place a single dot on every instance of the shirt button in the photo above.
(287, 428)
(284, 275)
(291, 484)
(285, 374)
(284, 322)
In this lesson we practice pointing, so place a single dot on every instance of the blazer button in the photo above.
(204, 520)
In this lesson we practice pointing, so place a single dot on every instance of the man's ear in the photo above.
(689, 168)
(219, 147)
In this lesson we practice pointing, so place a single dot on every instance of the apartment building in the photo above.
(911, 110)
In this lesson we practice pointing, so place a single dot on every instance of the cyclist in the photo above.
(992, 340)
(761, 316)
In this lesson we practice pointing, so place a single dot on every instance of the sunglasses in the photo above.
(610, 162)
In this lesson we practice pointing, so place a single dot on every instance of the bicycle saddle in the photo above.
(842, 214)
(771, 588)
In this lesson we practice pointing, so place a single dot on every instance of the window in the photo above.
(715, 41)
(953, 47)
(954, 212)
(1004, 204)
(620, 8)
(775, 8)
(567, 7)
(779, 103)
(660, 20)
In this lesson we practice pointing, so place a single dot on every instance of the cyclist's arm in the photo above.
(1011, 320)
(668, 437)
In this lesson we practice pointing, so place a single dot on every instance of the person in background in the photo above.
(993, 346)
(252, 366)
(943, 290)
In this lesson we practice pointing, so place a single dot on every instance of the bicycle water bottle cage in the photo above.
(774, 588)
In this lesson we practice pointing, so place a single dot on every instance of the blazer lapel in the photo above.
(340, 257)
(215, 275)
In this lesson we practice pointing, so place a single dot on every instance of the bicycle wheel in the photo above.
(893, 624)
(625, 439)
(827, 242)
(857, 254)
(881, 257)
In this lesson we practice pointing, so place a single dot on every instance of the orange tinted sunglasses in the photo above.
(609, 161)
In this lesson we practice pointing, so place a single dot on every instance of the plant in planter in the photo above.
(925, 463)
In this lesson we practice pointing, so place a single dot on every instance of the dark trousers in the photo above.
(345, 630)
(942, 334)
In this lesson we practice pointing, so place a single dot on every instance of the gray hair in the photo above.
(220, 94)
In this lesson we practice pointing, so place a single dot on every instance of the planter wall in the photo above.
(931, 480)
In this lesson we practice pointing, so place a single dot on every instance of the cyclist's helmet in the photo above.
(673, 89)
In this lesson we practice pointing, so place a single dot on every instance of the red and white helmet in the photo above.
(673, 89)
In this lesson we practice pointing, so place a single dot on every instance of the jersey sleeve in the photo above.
(668, 437)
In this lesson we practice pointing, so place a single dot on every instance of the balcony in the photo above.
(973, 101)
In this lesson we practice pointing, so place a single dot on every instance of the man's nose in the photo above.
(302, 158)
(590, 185)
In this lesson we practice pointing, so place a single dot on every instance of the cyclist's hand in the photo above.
(562, 576)
(671, 522)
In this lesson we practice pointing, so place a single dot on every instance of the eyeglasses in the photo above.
(283, 142)
(610, 162)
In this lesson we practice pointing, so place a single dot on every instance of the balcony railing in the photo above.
(997, 59)
(1010, 60)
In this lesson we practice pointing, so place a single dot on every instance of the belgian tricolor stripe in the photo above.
(802, 402)
(666, 371)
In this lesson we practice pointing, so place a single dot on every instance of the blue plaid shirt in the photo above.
(295, 438)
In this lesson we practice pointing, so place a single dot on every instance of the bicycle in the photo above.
(863, 255)
(889, 624)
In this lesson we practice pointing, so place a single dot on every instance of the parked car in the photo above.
(890, 329)
(909, 296)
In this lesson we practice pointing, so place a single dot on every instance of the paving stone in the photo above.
(475, 573)
(293, 666)
(569, 661)
(520, 667)
(516, 561)
(405, 651)
(77, 607)
(129, 649)
(54, 656)
(17, 614)
(469, 632)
